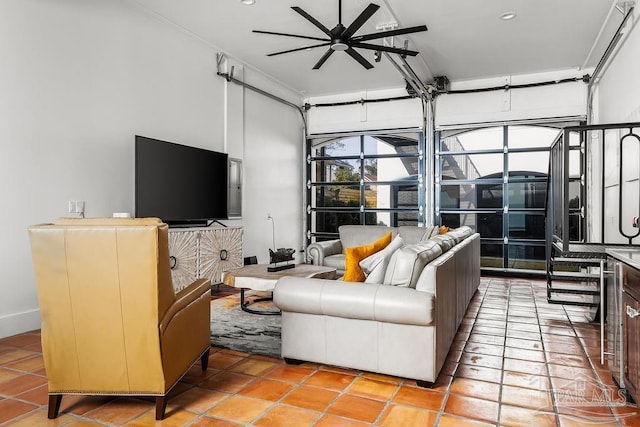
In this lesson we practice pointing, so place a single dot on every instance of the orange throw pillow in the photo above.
(353, 256)
(443, 230)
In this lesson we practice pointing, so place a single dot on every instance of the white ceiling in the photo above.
(466, 39)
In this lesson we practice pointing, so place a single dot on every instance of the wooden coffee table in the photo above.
(257, 278)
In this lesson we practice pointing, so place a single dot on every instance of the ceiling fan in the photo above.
(341, 38)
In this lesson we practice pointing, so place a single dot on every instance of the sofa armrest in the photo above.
(364, 301)
(318, 250)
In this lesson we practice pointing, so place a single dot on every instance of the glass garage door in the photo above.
(364, 179)
(495, 181)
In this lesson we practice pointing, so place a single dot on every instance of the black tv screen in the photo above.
(179, 184)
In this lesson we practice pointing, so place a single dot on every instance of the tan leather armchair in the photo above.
(111, 321)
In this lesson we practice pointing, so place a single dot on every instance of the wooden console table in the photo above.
(203, 252)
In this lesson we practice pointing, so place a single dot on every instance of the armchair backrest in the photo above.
(103, 285)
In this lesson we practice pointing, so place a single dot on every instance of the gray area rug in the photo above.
(238, 330)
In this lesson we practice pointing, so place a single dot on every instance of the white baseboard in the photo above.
(18, 323)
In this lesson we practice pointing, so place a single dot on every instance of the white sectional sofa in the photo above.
(330, 253)
(402, 329)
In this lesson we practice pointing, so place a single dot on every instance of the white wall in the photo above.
(79, 78)
(273, 153)
(617, 100)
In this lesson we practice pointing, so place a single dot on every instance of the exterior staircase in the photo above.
(576, 254)
(575, 277)
(574, 268)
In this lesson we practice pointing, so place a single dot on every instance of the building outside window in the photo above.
(374, 179)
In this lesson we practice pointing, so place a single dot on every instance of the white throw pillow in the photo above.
(407, 263)
(374, 266)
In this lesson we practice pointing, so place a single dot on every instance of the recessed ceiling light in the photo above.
(507, 16)
(247, 1)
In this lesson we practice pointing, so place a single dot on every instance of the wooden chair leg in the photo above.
(204, 360)
(424, 384)
(54, 405)
(161, 406)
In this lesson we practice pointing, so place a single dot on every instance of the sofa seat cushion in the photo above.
(407, 263)
(353, 256)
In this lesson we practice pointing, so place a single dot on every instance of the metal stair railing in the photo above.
(585, 253)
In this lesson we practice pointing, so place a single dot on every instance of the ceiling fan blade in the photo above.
(299, 48)
(324, 58)
(385, 48)
(360, 20)
(355, 55)
(313, 20)
(389, 33)
(290, 35)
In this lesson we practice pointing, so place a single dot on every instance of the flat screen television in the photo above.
(183, 186)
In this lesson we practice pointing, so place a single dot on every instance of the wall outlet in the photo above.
(76, 207)
(269, 216)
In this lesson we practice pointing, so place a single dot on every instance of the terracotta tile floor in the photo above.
(516, 361)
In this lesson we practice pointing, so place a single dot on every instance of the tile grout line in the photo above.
(554, 406)
(504, 349)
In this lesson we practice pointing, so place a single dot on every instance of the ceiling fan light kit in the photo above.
(343, 39)
(339, 46)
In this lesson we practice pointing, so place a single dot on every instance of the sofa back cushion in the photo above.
(461, 233)
(358, 235)
(413, 234)
(445, 241)
(407, 263)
